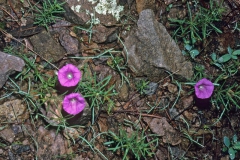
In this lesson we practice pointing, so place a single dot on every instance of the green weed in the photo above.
(135, 144)
(117, 63)
(193, 52)
(222, 62)
(98, 93)
(48, 13)
(199, 25)
(199, 72)
(231, 146)
(32, 74)
(227, 95)
(89, 25)
(142, 86)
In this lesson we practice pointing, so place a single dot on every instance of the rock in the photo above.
(7, 134)
(177, 152)
(83, 9)
(145, 4)
(162, 153)
(19, 149)
(47, 47)
(151, 51)
(13, 110)
(102, 33)
(164, 129)
(122, 90)
(70, 43)
(151, 88)
(84, 14)
(9, 64)
(50, 144)
(172, 88)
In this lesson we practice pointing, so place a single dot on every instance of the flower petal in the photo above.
(204, 88)
(76, 106)
(63, 75)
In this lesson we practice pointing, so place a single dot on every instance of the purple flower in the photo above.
(204, 88)
(73, 103)
(69, 75)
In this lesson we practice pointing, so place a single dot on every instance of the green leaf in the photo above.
(224, 149)
(236, 146)
(184, 52)
(234, 57)
(230, 51)
(218, 65)
(236, 53)
(226, 141)
(224, 58)
(214, 56)
(194, 53)
(231, 153)
(188, 47)
(234, 138)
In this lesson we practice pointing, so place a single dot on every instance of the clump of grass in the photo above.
(199, 25)
(48, 13)
(117, 63)
(32, 75)
(227, 95)
(135, 144)
(142, 86)
(97, 93)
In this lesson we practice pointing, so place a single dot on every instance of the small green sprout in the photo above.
(226, 57)
(231, 146)
(142, 86)
(191, 50)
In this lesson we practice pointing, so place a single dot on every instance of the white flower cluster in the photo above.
(93, 1)
(76, 8)
(93, 19)
(108, 6)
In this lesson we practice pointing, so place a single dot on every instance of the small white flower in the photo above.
(77, 8)
(87, 11)
(96, 21)
(100, 9)
(92, 1)
(110, 7)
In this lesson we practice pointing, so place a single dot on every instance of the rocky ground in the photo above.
(136, 81)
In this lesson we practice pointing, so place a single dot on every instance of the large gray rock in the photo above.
(8, 65)
(152, 51)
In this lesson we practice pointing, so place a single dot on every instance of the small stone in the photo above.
(7, 134)
(172, 88)
(165, 130)
(25, 142)
(123, 90)
(187, 101)
(9, 64)
(151, 88)
(14, 110)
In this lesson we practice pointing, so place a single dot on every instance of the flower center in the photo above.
(201, 87)
(69, 75)
(73, 100)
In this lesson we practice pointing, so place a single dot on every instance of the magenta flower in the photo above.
(73, 103)
(204, 88)
(69, 75)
